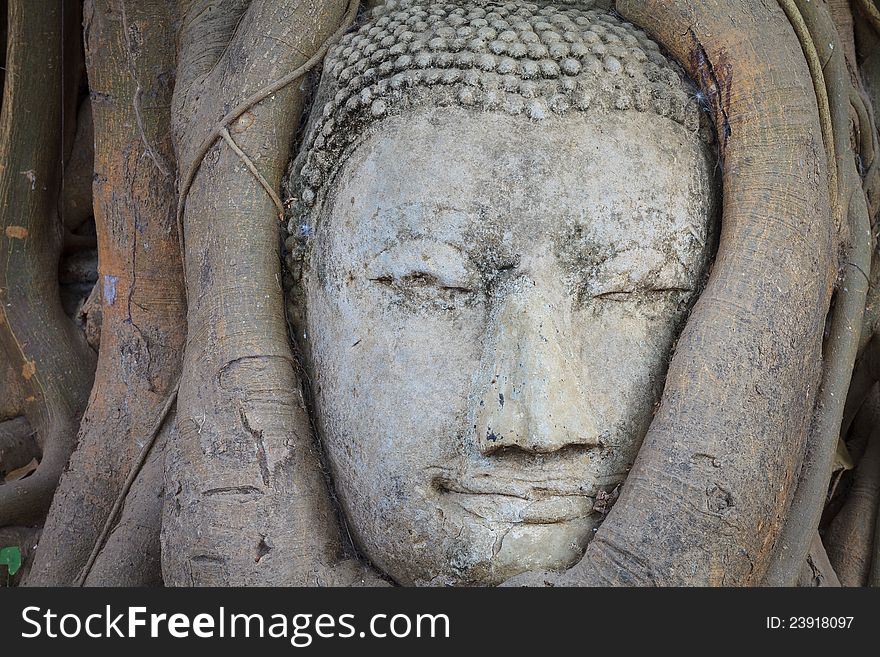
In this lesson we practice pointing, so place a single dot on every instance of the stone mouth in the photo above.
(500, 497)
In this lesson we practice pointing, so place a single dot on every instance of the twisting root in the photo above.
(223, 125)
(132, 475)
(849, 202)
(871, 12)
(818, 77)
(253, 169)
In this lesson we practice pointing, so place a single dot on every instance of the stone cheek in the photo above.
(538, 60)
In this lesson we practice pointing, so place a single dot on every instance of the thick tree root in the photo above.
(131, 555)
(142, 329)
(10, 393)
(41, 343)
(846, 320)
(220, 130)
(246, 500)
(76, 195)
(126, 487)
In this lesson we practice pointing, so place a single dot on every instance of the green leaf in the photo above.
(11, 558)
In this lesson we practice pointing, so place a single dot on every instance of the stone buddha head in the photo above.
(502, 213)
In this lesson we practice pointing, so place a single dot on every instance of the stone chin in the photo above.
(489, 305)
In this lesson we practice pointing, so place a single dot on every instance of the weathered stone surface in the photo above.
(487, 303)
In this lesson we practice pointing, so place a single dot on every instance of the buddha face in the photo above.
(491, 304)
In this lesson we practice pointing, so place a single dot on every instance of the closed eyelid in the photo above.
(436, 262)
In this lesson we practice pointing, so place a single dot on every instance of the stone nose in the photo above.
(533, 395)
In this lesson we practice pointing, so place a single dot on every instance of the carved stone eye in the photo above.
(424, 264)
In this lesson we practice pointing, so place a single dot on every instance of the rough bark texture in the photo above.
(867, 40)
(850, 536)
(39, 340)
(131, 554)
(247, 502)
(17, 445)
(843, 20)
(76, 195)
(131, 73)
(10, 399)
(850, 213)
(817, 570)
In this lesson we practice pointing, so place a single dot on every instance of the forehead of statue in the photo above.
(465, 177)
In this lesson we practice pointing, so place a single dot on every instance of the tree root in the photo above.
(246, 501)
(846, 322)
(126, 487)
(41, 343)
(221, 129)
(850, 536)
(17, 445)
(871, 12)
(131, 556)
(76, 193)
(11, 403)
(130, 66)
(817, 570)
(25, 501)
(253, 169)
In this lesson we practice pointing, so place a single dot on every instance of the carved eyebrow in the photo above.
(648, 228)
(416, 220)
(403, 237)
(447, 263)
(663, 274)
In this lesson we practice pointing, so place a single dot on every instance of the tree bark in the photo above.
(131, 73)
(850, 536)
(41, 344)
(247, 502)
(817, 570)
(17, 445)
(832, 80)
(76, 196)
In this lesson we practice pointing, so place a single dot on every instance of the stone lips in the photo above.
(535, 59)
